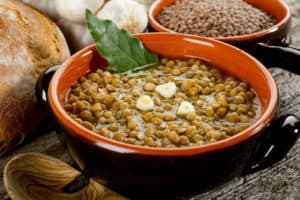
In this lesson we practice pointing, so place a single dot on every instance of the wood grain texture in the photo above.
(34, 176)
(280, 182)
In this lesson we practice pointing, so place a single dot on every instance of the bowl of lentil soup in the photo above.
(259, 27)
(157, 132)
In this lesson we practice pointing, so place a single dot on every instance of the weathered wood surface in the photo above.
(281, 181)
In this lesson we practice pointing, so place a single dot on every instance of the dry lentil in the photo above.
(223, 105)
(214, 18)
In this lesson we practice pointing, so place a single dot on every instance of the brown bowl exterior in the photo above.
(277, 8)
(135, 168)
(151, 176)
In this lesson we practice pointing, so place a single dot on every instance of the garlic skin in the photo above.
(146, 3)
(45, 6)
(74, 10)
(77, 35)
(70, 16)
(127, 14)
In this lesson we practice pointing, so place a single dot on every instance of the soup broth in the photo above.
(178, 103)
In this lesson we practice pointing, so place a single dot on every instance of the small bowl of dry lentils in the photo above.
(226, 20)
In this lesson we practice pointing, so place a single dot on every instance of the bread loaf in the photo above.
(29, 44)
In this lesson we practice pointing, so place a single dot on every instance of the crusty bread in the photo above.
(29, 44)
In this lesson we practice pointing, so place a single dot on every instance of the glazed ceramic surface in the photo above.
(270, 46)
(135, 169)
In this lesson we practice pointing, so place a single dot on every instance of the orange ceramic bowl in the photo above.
(270, 46)
(136, 169)
(276, 8)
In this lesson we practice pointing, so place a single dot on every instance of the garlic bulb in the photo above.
(127, 14)
(74, 10)
(77, 34)
(146, 3)
(45, 6)
(70, 16)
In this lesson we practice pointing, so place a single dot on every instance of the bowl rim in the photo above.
(83, 133)
(257, 35)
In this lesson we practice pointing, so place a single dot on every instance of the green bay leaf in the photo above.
(122, 51)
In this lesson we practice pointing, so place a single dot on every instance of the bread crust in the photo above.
(29, 44)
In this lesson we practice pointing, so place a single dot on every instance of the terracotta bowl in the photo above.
(136, 169)
(271, 46)
(278, 9)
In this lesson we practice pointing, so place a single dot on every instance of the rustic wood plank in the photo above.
(282, 181)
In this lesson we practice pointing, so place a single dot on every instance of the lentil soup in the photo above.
(179, 103)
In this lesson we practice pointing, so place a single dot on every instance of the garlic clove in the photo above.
(127, 14)
(166, 90)
(74, 10)
(184, 108)
(77, 35)
(145, 103)
(146, 3)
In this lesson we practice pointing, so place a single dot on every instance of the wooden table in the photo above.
(281, 181)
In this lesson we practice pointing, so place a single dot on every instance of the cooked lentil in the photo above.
(189, 117)
(214, 18)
